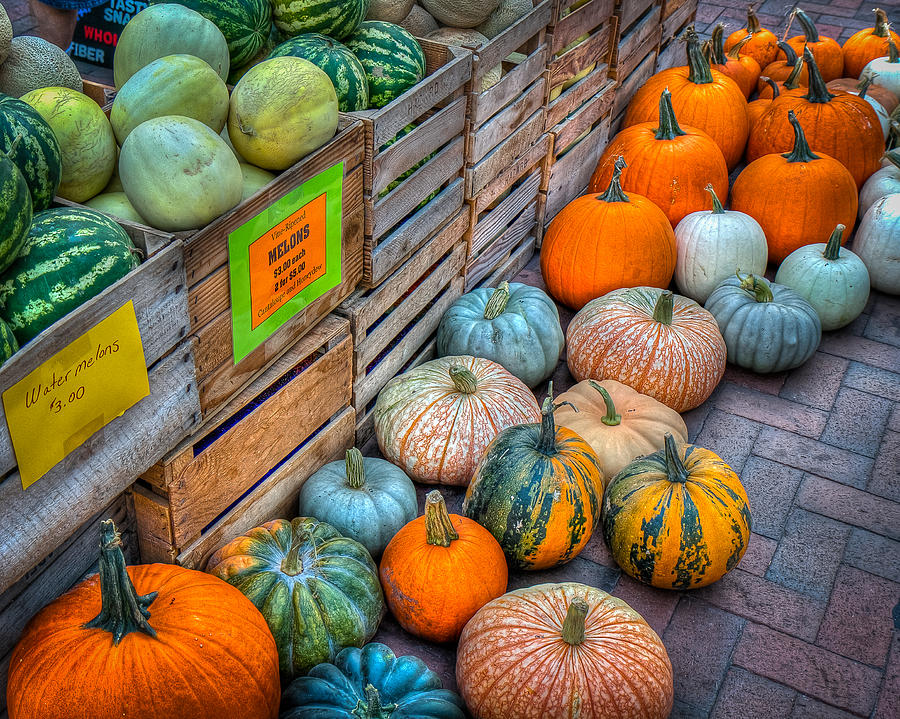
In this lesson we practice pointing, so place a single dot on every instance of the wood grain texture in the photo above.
(671, 53)
(598, 48)
(507, 121)
(569, 175)
(636, 44)
(586, 19)
(509, 269)
(631, 84)
(629, 11)
(678, 19)
(534, 159)
(511, 40)
(495, 221)
(575, 96)
(500, 248)
(583, 119)
(484, 105)
(503, 159)
(670, 7)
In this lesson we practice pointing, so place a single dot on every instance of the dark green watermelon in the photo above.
(37, 154)
(8, 344)
(337, 18)
(70, 255)
(15, 212)
(392, 58)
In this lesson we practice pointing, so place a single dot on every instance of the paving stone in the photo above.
(894, 422)
(808, 708)
(873, 553)
(654, 605)
(813, 456)
(729, 436)
(707, 13)
(861, 349)
(885, 479)
(596, 550)
(681, 710)
(884, 324)
(816, 383)
(771, 410)
(767, 383)
(705, 638)
(857, 422)
(695, 418)
(811, 670)
(751, 696)
(759, 555)
(850, 505)
(770, 488)
(858, 622)
(879, 382)
(578, 570)
(889, 700)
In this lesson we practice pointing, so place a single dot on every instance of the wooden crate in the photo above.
(677, 15)
(393, 323)
(628, 87)
(640, 32)
(397, 223)
(248, 462)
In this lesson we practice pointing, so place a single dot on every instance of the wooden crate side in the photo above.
(507, 122)
(484, 105)
(583, 120)
(492, 223)
(535, 155)
(671, 53)
(500, 248)
(675, 23)
(569, 175)
(630, 11)
(504, 160)
(670, 7)
(586, 19)
(529, 27)
(568, 102)
(509, 269)
(631, 84)
(596, 50)
(635, 45)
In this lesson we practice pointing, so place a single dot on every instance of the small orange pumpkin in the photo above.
(743, 69)
(828, 54)
(866, 45)
(791, 77)
(763, 44)
(757, 107)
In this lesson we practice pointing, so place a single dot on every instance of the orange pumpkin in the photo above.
(743, 69)
(562, 650)
(841, 125)
(868, 44)
(429, 560)
(826, 50)
(796, 196)
(154, 640)
(789, 74)
(602, 242)
(763, 44)
(887, 98)
(757, 107)
(663, 345)
(669, 164)
(701, 97)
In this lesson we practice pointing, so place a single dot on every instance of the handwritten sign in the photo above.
(80, 389)
(285, 258)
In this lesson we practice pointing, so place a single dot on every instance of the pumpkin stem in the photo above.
(792, 82)
(573, 624)
(122, 609)
(662, 310)
(370, 706)
(614, 191)
(717, 45)
(735, 51)
(611, 418)
(757, 287)
(668, 124)
(547, 443)
(818, 90)
(699, 71)
(833, 247)
(674, 466)
(752, 20)
(771, 83)
(789, 53)
(464, 379)
(355, 468)
(809, 27)
(292, 564)
(881, 23)
(893, 57)
(894, 157)
(496, 305)
(439, 529)
(862, 86)
(717, 206)
(801, 151)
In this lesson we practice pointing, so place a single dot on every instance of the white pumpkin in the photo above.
(878, 243)
(887, 68)
(831, 278)
(885, 181)
(712, 245)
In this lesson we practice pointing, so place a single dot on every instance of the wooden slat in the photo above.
(499, 250)
(575, 96)
(630, 10)
(535, 156)
(678, 20)
(497, 219)
(582, 21)
(570, 174)
(584, 119)
(504, 159)
(506, 122)
(510, 40)
(597, 49)
(484, 105)
(154, 526)
(632, 83)
(509, 269)
(641, 40)
(671, 53)
(670, 7)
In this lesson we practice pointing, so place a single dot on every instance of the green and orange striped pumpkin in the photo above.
(678, 518)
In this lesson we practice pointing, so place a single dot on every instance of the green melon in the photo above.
(168, 29)
(37, 153)
(337, 18)
(15, 211)
(392, 58)
(33, 63)
(8, 343)
(253, 180)
(70, 255)
(85, 137)
(244, 23)
(171, 85)
(346, 73)
(238, 72)
(115, 204)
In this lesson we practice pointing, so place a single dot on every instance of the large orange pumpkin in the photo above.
(701, 97)
(154, 641)
(743, 69)
(826, 50)
(598, 243)
(795, 196)
(427, 563)
(763, 44)
(866, 45)
(663, 345)
(668, 164)
(562, 650)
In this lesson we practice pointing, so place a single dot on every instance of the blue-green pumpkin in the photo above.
(370, 683)
(515, 325)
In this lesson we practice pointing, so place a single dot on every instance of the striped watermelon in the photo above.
(337, 18)
(15, 211)
(346, 72)
(70, 255)
(244, 23)
(8, 344)
(392, 58)
(37, 155)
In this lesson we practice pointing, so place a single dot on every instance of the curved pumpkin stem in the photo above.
(757, 287)
(122, 609)
(752, 21)
(611, 418)
(292, 564)
(717, 45)
(370, 706)
(789, 53)
(573, 624)
(675, 468)
(355, 468)
(699, 71)
(439, 529)
(464, 380)
(735, 51)
(833, 246)
(862, 86)
(801, 151)
(496, 305)
(717, 206)
(662, 310)
(614, 192)
(792, 82)
(547, 442)
(771, 83)
(668, 124)
(809, 27)
(818, 90)
(881, 23)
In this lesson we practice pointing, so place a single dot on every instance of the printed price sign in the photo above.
(80, 389)
(285, 258)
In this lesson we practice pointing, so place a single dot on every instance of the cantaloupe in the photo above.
(466, 37)
(34, 63)
(419, 22)
(389, 10)
(115, 204)
(253, 179)
(460, 13)
(6, 33)
(506, 13)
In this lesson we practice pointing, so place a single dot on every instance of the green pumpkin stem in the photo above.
(752, 21)
(668, 124)
(496, 305)
(735, 51)
(675, 468)
(122, 609)
(818, 90)
(611, 418)
(893, 56)
(573, 624)
(717, 45)
(833, 246)
(355, 468)
(717, 206)
(771, 83)
(614, 191)
(792, 82)
(789, 53)
(439, 531)
(862, 87)
(881, 23)
(292, 564)
(894, 157)
(370, 706)
(801, 151)
(662, 310)
(757, 287)
(547, 441)
(463, 379)
(699, 70)
(809, 27)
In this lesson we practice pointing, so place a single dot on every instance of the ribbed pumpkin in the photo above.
(884, 182)
(599, 243)
(762, 45)
(796, 196)
(662, 345)
(678, 518)
(866, 45)
(429, 561)
(886, 69)
(435, 420)
(618, 422)
(562, 650)
(792, 73)
(154, 640)
(887, 98)
(537, 489)
(668, 164)
(318, 591)
(743, 69)
(841, 125)
(877, 243)
(826, 50)
(701, 97)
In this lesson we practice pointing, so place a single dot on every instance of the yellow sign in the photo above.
(80, 389)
